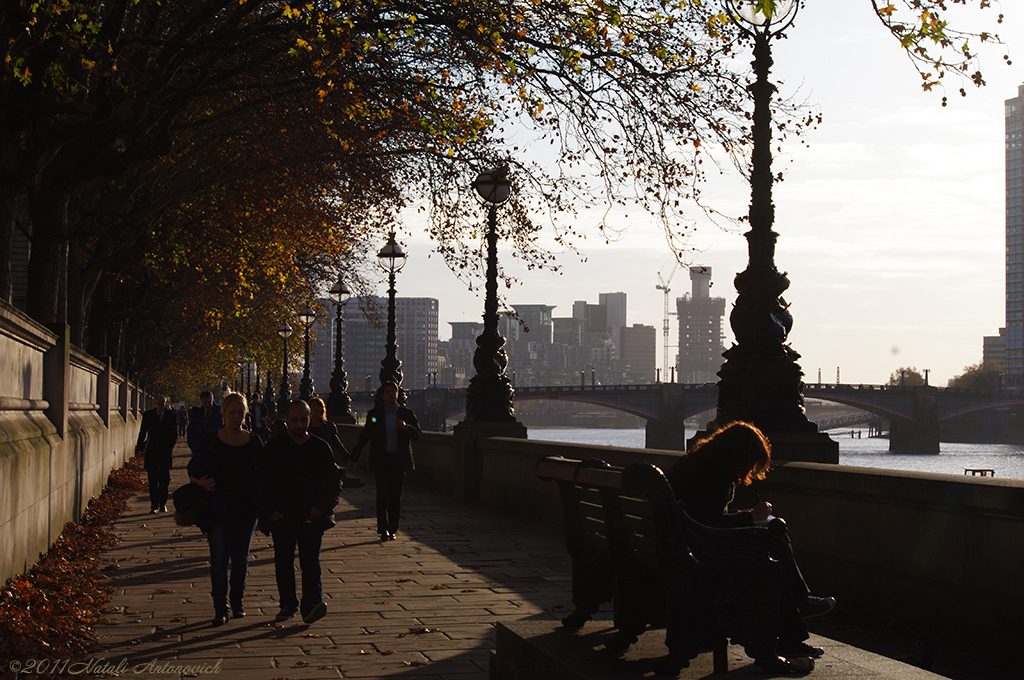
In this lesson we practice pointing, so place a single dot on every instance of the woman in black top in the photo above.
(705, 480)
(320, 427)
(225, 465)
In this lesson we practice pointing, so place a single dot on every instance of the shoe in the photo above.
(799, 649)
(163, 508)
(285, 614)
(315, 614)
(392, 535)
(152, 511)
(779, 666)
(384, 536)
(220, 613)
(238, 612)
(813, 607)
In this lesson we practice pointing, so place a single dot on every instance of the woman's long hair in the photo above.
(748, 450)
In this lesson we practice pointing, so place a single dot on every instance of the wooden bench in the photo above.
(631, 543)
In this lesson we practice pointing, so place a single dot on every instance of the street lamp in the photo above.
(284, 398)
(489, 394)
(761, 381)
(391, 258)
(339, 404)
(306, 317)
(268, 396)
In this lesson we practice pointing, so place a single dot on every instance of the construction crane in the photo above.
(664, 285)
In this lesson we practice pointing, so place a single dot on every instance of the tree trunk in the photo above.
(48, 262)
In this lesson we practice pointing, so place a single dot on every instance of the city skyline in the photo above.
(891, 220)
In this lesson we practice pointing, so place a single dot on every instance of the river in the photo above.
(1007, 461)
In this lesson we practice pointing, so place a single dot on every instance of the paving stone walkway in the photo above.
(423, 606)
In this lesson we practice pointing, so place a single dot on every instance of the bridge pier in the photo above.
(920, 435)
(668, 435)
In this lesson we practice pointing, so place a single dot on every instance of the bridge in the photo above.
(914, 413)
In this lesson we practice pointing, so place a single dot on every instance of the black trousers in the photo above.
(390, 477)
(159, 481)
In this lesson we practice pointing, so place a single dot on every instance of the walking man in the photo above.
(389, 430)
(203, 419)
(300, 485)
(157, 436)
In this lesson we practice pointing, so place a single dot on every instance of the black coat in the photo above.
(293, 478)
(157, 437)
(703, 481)
(375, 433)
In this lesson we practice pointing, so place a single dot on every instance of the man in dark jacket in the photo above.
(389, 429)
(203, 419)
(157, 436)
(299, 489)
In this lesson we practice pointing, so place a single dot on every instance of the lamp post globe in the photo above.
(306, 317)
(755, 15)
(339, 403)
(285, 331)
(391, 258)
(489, 394)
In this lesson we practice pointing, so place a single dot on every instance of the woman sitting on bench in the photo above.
(705, 480)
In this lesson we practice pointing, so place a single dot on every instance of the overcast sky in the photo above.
(891, 221)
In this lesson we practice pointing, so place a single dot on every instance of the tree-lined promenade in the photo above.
(190, 173)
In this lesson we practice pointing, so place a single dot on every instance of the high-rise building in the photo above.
(364, 336)
(639, 349)
(461, 349)
(1013, 370)
(701, 341)
(615, 316)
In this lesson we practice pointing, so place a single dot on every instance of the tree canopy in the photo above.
(907, 376)
(985, 374)
(185, 166)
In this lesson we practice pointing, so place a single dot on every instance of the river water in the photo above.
(1007, 461)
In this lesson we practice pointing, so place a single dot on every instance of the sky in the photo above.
(890, 219)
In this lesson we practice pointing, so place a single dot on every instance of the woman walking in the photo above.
(319, 426)
(225, 465)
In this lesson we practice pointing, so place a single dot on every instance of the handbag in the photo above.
(189, 503)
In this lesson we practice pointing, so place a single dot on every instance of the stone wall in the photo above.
(940, 553)
(66, 420)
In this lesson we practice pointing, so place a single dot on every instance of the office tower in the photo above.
(1013, 370)
(537, 319)
(461, 349)
(364, 335)
(615, 316)
(639, 350)
(701, 341)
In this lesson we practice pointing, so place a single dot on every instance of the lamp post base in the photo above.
(469, 460)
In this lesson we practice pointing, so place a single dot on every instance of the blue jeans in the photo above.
(308, 536)
(229, 543)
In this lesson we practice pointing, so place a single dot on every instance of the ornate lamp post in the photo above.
(268, 396)
(489, 395)
(761, 381)
(307, 316)
(339, 404)
(391, 258)
(284, 398)
(489, 411)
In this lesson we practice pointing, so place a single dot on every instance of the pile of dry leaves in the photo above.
(49, 611)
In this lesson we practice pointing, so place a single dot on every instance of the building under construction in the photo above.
(701, 340)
